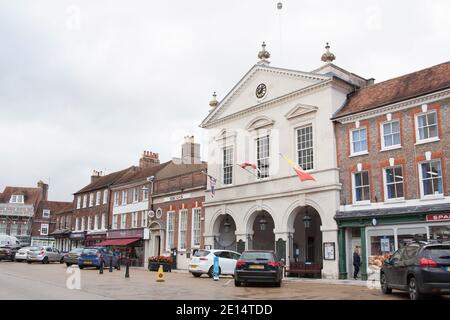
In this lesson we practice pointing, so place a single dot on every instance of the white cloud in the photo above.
(89, 85)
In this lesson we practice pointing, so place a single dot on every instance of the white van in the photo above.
(6, 240)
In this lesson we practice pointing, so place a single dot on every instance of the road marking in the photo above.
(226, 283)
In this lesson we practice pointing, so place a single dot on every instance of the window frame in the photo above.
(183, 213)
(91, 199)
(417, 129)
(134, 219)
(135, 194)
(124, 197)
(230, 166)
(116, 199)
(359, 153)
(98, 195)
(78, 202)
(84, 201)
(105, 196)
(297, 150)
(144, 218)
(46, 213)
(195, 211)
(382, 138)
(115, 222)
(421, 187)
(123, 222)
(385, 184)
(46, 226)
(266, 157)
(360, 202)
(170, 243)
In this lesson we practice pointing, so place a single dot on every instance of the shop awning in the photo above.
(117, 242)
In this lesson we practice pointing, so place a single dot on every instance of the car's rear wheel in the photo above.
(81, 267)
(61, 261)
(29, 262)
(68, 264)
(197, 275)
(237, 283)
(278, 284)
(384, 286)
(45, 260)
(413, 289)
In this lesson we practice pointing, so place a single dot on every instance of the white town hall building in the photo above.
(272, 112)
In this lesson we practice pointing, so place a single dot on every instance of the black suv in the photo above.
(420, 268)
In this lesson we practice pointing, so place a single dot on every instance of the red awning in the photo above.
(117, 242)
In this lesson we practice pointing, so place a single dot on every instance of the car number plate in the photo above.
(87, 262)
(193, 266)
(256, 266)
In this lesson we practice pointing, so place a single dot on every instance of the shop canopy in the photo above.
(117, 242)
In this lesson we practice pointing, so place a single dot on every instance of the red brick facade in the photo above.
(409, 155)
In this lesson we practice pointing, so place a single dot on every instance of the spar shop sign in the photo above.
(438, 217)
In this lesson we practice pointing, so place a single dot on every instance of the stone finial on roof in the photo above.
(263, 55)
(213, 103)
(328, 56)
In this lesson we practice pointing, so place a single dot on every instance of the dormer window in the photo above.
(46, 213)
(17, 198)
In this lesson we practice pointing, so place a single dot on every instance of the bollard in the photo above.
(127, 269)
(110, 264)
(101, 267)
(216, 268)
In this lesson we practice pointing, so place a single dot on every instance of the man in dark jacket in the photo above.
(356, 262)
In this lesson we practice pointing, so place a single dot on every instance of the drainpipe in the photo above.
(342, 254)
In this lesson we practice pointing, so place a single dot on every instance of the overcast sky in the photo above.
(91, 84)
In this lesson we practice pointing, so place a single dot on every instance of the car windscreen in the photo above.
(77, 250)
(201, 253)
(257, 256)
(90, 251)
(437, 252)
(36, 248)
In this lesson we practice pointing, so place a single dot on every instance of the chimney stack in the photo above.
(190, 151)
(149, 159)
(96, 175)
(44, 188)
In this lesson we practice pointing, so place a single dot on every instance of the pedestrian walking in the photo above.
(356, 263)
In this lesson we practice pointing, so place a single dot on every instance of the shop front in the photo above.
(378, 236)
(62, 240)
(131, 243)
(93, 239)
(77, 239)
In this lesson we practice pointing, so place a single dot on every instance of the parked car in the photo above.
(420, 268)
(22, 254)
(72, 256)
(6, 240)
(96, 256)
(44, 254)
(258, 266)
(202, 262)
(8, 252)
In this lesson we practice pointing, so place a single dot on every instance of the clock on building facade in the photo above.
(261, 91)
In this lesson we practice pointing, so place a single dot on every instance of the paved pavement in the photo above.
(37, 281)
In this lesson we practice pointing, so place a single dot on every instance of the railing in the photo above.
(18, 210)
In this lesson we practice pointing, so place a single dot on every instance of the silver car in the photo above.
(44, 255)
(22, 254)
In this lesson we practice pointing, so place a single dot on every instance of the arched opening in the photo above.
(156, 241)
(305, 249)
(262, 228)
(225, 233)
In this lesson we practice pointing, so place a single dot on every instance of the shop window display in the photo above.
(405, 235)
(382, 245)
(440, 232)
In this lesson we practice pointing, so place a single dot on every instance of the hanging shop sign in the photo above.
(438, 217)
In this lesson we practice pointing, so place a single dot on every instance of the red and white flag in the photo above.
(303, 176)
(246, 165)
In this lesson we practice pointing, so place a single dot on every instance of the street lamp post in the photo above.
(307, 221)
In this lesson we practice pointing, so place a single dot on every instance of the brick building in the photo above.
(63, 228)
(177, 218)
(44, 222)
(393, 155)
(129, 209)
(91, 211)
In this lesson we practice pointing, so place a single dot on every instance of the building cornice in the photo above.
(398, 106)
(270, 103)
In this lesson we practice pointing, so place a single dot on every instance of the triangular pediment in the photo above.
(300, 110)
(277, 82)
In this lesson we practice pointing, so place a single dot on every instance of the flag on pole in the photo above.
(212, 183)
(251, 165)
(303, 176)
